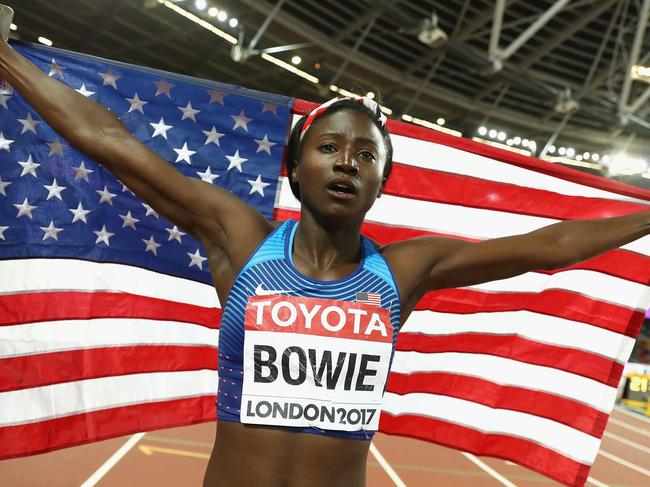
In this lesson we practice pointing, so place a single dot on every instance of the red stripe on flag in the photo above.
(553, 302)
(518, 348)
(78, 429)
(91, 363)
(527, 453)
(75, 305)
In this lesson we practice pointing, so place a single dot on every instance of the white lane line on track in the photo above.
(627, 426)
(625, 463)
(627, 442)
(597, 483)
(112, 461)
(638, 416)
(488, 469)
(386, 466)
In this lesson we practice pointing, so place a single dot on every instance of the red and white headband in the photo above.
(372, 105)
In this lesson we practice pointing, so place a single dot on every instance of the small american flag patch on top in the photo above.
(369, 298)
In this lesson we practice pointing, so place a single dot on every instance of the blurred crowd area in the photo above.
(641, 351)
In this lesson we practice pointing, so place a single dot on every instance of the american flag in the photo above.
(101, 336)
(369, 298)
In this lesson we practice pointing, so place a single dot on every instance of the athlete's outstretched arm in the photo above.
(429, 263)
(208, 212)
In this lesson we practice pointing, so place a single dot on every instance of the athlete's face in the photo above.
(341, 166)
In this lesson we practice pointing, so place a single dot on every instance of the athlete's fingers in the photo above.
(6, 16)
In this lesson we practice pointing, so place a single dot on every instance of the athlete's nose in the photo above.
(347, 163)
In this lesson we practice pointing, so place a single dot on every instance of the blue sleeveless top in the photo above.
(309, 355)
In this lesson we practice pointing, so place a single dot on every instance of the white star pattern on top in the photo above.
(235, 161)
(85, 91)
(110, 78)
(105, 196)
(28, 123)
(56, 147)
(175, 234)
(54, 190)
(257, 186)
(2, 232)
(3, 100)
(79, 213)
(150, 210)
(264, 144)
(196, 259)
(160, 128)
(163, 87)
(212, 136)
(55, 69)
(29, 166)
(3, 187)
(103, 236)
(51, 231)
(5, 143)
(129, 221)
(269, 107)
(216, 96)
(189, 112)
(81, 172)
(241, 121)
(151, 244)
(136, 104)
(207, 176)
(184, 153)
(25, 209)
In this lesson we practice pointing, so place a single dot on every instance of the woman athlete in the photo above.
(275, 426)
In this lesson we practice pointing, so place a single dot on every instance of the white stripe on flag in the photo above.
(65, 399)
(509, 372)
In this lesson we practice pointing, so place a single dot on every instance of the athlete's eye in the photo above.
(328, 147)
(366, 154)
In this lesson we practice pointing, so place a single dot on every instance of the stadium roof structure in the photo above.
(531, 68)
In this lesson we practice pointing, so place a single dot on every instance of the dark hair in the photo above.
(294, 147)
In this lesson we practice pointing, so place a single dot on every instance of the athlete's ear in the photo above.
(294, 177)
(381, 188)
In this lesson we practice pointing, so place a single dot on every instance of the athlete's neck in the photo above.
(326, 248)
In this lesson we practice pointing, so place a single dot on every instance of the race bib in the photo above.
(312, 362)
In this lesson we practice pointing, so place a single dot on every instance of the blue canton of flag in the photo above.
(54, 202)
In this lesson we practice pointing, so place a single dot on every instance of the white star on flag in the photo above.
(55, 69)
(175, 234)
(105, 196)
(184, 153)
(136, 104)
(56, 147)
(28, 123)
(257, 186)
(79, 213)
(81, 172)
(110, 78)
(125, 189)
(241, 120)
(25, 209)
(160, 128)
(128, 220)
(3, 186)
(196, 259)
(5, 143)
(235, 161)
(207, 176)
(150, 210)
(264, 145)
(189, 112)
(163, 87)
(103, 236)
(2, 232)
(269, 107)
(85, 91)
(3, 100)
(29, 166)
(152, 245)
(216, 96)
(51, 231)
(54, 190)
(212, 136)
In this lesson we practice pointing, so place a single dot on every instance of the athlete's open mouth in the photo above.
(341, 189)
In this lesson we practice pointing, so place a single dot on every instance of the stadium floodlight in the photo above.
(482, 130)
